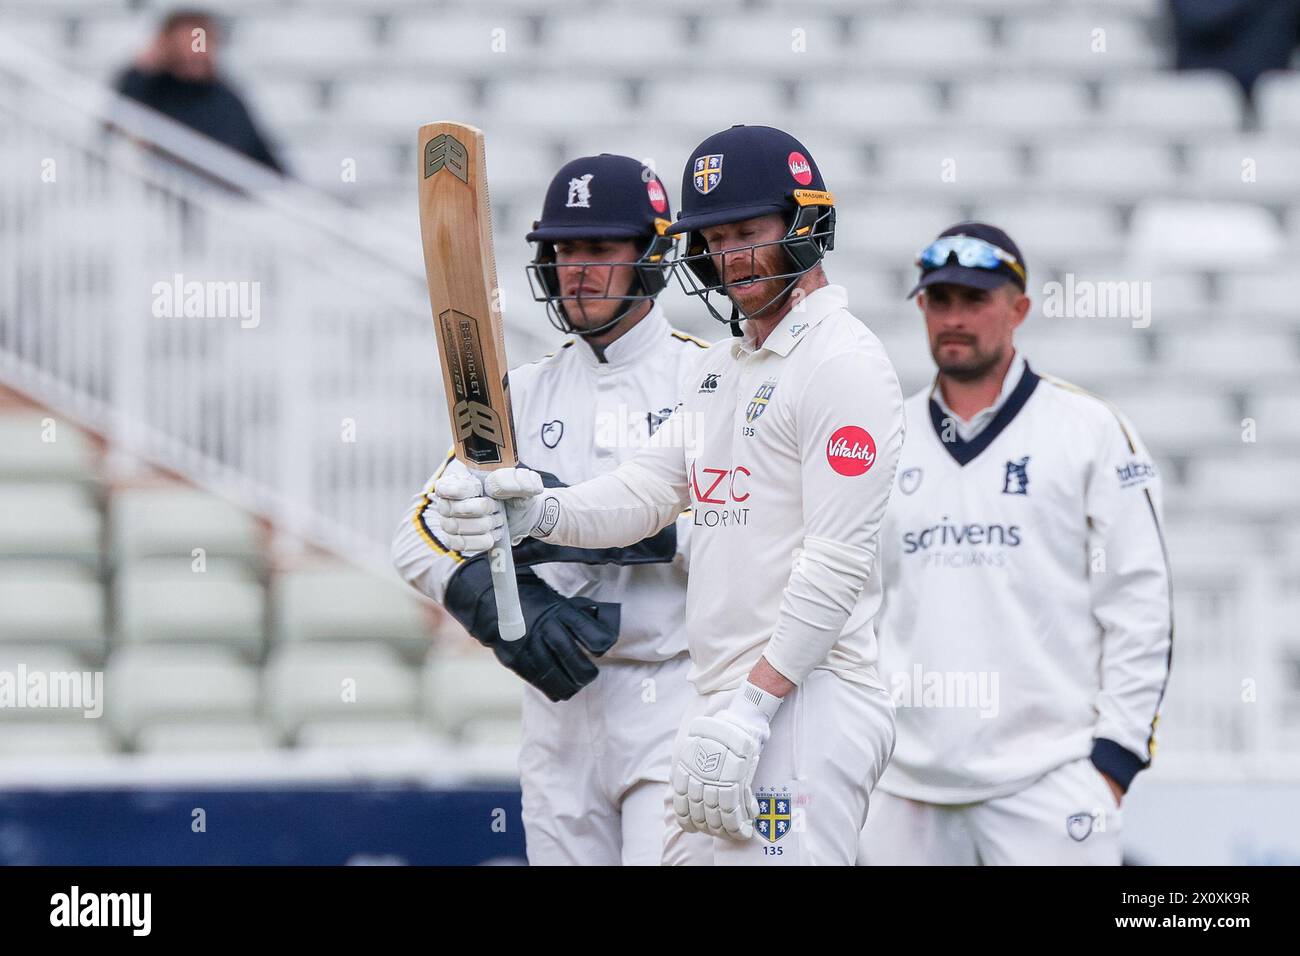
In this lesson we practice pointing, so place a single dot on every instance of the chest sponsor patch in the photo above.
(851, 451)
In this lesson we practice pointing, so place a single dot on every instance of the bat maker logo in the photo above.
(478, 425)
(445, 151)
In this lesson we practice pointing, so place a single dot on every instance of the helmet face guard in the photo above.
(649, 277)
(810, 235)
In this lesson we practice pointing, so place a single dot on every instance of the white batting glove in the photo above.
(713, 770)
(467, 507)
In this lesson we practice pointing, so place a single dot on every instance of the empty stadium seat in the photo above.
(63, 742)
(1121, 169)
(37, 446)
(1251, 169)
(471, 39)
(1277, 98)
(1231, 355)
(46, 36)
(882, 232)
(174, 520)
(165, 601)
(1042, 105)
(286, 105)
(546, 103)
(1276, 411)
(467, 685)
(150, 686)
(1059, 235)
(1180, 297)
(951, 168)
(1070, 42)
(1181, 104)
(52, 604)
(1220, 237)
(879, 106)
(341, 604)
(492, 732)
(909, 351)
(398, 107)
(106, 45)
(207, 736)
(786, 44)
(335, 734)
(1089, 353)
(1262, 296)
(923, 44)
(301, 39)
(359, 681)
(49, 520)
(1179, 420)
(729, 100)
(1251, 482)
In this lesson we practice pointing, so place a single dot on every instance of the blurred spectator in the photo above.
(177, 76)
(1245, 38)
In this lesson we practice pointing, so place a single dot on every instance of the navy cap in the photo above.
(744, 172)
(956, 274)
(602, 197)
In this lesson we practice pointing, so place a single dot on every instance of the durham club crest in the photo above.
(758, 404)
(774, 816)
(707, 173)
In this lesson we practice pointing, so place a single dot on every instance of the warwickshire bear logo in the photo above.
(1016, 481)
(707, 173)
(580, 192)
(1079, 826)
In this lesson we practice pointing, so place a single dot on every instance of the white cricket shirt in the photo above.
(786, 457)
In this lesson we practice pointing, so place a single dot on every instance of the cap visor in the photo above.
(716, 217)
(961, 275)
(595, 230)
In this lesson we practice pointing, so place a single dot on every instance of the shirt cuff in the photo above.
(1115, 762)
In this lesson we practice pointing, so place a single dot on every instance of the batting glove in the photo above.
(470, 516)
(713, 769)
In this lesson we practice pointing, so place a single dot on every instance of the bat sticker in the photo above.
(446, 152)
(478, 425)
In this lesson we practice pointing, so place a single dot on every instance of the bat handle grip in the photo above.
(510, 616)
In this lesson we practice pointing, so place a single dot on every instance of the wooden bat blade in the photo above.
(460, 265)
(459, 262)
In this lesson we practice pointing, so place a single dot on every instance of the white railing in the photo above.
(261, 339)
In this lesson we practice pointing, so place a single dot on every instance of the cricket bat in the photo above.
(459, 262)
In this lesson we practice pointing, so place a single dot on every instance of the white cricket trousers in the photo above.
(830, 742)
(594, 768)
(1067, 817)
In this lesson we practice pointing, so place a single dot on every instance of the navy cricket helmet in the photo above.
(742, 173)
(594, 198)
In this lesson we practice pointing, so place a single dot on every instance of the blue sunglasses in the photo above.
(971, 252)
